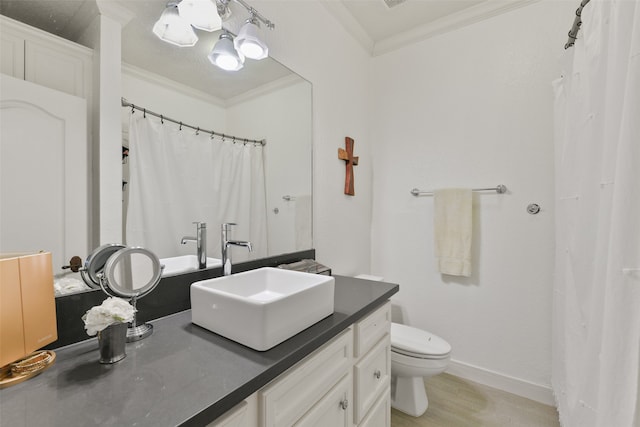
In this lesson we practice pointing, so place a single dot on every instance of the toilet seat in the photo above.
(413, 342)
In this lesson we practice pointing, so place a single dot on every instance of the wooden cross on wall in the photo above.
(350, 162)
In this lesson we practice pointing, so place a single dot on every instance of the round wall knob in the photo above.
(533, 208)
(75, 264)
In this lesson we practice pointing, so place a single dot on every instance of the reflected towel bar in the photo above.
(500, 189)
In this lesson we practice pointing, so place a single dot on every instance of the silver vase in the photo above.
(111, 341)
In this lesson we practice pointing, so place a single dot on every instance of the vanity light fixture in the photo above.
(248, 42)
(201, 14)
(180, 17)
(224, 11)
(224, 55)
(174, 29)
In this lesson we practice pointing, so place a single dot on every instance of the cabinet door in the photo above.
(333, 410)
(236, 417)
(56, 67)
(11, 53)
(292, 395)
(380, 414)
(43, 171)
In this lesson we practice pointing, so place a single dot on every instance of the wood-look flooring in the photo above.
(456, 402)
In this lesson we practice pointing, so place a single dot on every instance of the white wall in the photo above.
(283, 117)
(171, 99)
(473, 108)
(309, 41)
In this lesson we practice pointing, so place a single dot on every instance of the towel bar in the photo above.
(500, 189)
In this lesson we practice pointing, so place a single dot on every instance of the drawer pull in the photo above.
(344, 404)
(377, 374)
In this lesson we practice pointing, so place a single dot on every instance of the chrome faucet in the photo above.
(201, 243)
(226, 242)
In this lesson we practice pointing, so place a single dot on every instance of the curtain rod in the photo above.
(235, 139)
(577, 22)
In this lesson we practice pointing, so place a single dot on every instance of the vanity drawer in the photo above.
(380, 414)
(369, 330)
(287, 399)
(372, 376)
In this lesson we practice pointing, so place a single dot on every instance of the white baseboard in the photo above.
(539, 393)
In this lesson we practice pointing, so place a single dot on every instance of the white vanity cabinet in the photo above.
(345, 383)
(372, 369)
(34, 55)
(317, 387)
(243, 414)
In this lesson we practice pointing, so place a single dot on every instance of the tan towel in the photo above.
(452, 231)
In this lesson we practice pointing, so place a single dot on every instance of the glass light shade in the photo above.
(249, 43)
(202, 14)
(171, 28)
(225, 56)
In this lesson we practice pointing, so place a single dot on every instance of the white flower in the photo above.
(111, 311)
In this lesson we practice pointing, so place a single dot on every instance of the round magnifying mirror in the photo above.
(132, 273)
(95, 262)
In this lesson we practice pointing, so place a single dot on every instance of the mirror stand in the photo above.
(137, 332)
(132, 273)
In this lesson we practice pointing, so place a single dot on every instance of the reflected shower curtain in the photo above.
(178, 177)
(596, 325)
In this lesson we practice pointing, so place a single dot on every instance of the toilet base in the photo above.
(408, 395)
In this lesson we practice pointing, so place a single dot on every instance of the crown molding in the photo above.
(146, 75)
(349, 23)
(471, 15)
(265, 89)
(468, 16)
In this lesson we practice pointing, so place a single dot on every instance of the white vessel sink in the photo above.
(261, 308)
(182, 264)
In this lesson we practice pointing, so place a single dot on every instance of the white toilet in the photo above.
(415, 355)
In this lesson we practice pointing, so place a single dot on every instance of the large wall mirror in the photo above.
(264, 100)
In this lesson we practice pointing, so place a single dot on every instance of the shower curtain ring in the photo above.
(212, 134)
(180, 125)
(133, 109)
(198, 131)
(144, 113)
(161, 119)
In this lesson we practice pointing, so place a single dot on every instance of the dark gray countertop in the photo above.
(180, 375)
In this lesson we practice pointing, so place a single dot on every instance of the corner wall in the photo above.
(473, 108)
(309, 41)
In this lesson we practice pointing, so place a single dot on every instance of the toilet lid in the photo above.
(416, 341)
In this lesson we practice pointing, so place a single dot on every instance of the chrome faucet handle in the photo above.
(200, 224)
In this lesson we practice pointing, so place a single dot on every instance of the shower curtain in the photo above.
(178, 177)
(596, 324)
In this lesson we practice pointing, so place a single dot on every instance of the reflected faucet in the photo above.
(226, 255)
(201, 243)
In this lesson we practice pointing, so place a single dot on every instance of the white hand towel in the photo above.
(452, 231)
